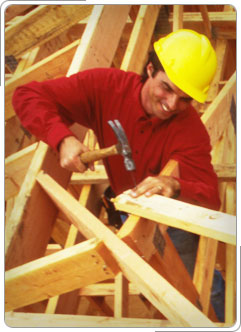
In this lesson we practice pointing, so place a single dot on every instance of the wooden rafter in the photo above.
(150, 283)
(40, 25)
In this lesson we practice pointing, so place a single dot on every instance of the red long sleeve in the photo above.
(93, 97)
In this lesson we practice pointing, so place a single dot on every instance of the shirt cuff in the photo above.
(57, 134)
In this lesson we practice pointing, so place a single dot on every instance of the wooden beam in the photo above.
(16, 167)
(30, 223)
(97, 46)
(121, 297)
(156, 289)
(225, 172)
(53, 66)
(98, 176)
(42, 24)
(206, 20)
(177, 17)
(104, 289)
(217, 114)
(17, 319)
(204, 269)
(139, 42)
(195, 219)
(216, 16)
(59, 273)
(15, 10)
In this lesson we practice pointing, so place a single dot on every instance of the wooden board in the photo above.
(202, 221)
(30, 224)
(59, 273)
(42, 24)
(156, 289)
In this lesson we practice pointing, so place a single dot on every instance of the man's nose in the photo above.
(173, 101)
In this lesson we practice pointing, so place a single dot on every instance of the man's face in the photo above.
(161, 98)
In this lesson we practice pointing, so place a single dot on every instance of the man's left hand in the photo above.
(162, 185)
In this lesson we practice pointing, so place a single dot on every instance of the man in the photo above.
(155, 111)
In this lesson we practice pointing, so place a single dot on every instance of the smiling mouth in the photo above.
(165, 108)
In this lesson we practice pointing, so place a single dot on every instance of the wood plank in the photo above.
(97, 46)
(59, 273)
(206, 20)
(98, 176)
(225, 172)
(31, 221)
(139, 42)
(204, 270)
(216, 16)
(104, 289)
(216, 115)
(17, 319)
(55, 65)
(40, 25)
(14, 10)
(177, 17)
(156, 289)
(231, 285)
(121, 299)
(221, 52)
(16, 167)
(199, 220)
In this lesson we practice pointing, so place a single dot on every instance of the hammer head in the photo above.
(123, 146)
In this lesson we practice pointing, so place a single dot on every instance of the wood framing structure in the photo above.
(65, 266)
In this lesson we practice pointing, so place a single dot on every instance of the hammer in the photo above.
(122, 147)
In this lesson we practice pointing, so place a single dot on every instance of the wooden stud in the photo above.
(202, 221)
(69, 269)
(97, 46)
(121, 296)
(16, 167)
(206, 21)
(135, 55)
(156, 289)
(31, 221)
(40, 25)
(204, 269)
(177, 17)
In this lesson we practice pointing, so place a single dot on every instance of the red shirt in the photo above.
(93, 97)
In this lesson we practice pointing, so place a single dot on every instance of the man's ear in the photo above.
(149, 69)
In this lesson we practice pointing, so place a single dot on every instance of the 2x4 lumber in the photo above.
(156, 289)
(216, 115)
(206, 21)
(140, 38)
(121, 296)
(222, 52)
(98, 176)
(100, 38)
(14, 10)
(104, 289)
(195, 219)
(177, 17)
(223, 17)
(85, 263)
(17, 319)
(42, 24)
(204, 269)
(30, 223)
(230, 285)
(16, 167)
(53, 66)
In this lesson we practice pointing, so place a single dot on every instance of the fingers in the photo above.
(148, 187)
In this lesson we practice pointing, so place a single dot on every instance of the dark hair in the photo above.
(153, 58)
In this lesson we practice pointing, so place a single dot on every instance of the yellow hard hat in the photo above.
(189, 61)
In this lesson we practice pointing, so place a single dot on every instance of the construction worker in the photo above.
(155, 111)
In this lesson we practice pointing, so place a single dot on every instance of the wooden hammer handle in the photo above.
(90, 156)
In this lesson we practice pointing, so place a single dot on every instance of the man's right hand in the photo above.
(70, 150)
